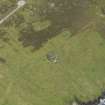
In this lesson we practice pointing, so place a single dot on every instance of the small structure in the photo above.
(74, 103)
(21, 3)
(52, 57)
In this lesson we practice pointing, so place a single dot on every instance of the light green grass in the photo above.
(28, 78)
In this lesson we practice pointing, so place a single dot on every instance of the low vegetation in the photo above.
(73, 30)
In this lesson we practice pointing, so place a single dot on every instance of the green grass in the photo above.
(28, 78)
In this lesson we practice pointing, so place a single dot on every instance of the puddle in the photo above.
(100, 28)
(63, 14)
(2, 60)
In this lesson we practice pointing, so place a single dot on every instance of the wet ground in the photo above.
(63, 14)
(71, 15)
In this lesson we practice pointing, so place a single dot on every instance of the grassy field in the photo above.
(26, 75)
